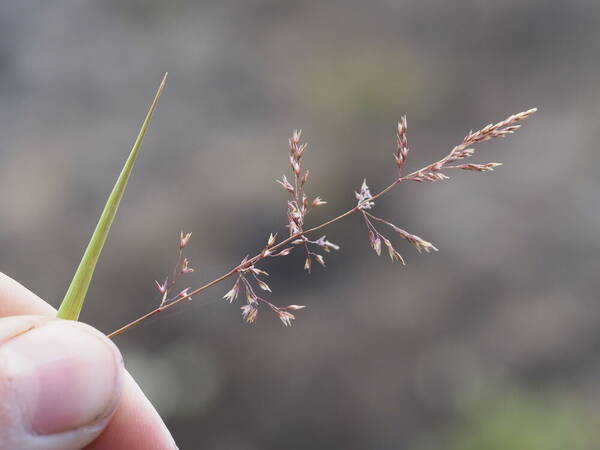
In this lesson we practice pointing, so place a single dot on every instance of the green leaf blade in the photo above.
(72, 303)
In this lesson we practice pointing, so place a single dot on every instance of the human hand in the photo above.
(63, 384)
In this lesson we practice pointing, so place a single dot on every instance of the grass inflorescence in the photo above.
(249, 278)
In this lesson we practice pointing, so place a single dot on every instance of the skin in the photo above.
(131, 423)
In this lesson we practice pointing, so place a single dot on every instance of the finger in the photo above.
(60, 383)
(135, 423)
(16, 299)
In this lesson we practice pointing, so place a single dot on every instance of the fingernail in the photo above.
(64, 375)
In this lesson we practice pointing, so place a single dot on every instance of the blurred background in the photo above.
(492, 343)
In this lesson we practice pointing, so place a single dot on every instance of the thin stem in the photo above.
(173, 303)
(136, 321)
(379, 219)
(249, 262)
(176, 272)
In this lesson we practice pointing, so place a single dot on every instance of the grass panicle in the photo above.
(249, 278)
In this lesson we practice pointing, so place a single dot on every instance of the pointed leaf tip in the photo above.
(75, 296)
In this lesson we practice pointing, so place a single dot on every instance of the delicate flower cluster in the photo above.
(401, 145)
(248, 274)
(433, 172)
(181, 267)
(299, 206)
(376, 237)
(364, 197)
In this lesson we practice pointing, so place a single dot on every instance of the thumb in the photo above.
(60, 382)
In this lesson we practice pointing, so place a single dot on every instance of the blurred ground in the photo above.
(489, 344)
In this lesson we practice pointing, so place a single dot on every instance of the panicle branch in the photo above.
(433, 172)
(299, 206)
(181, 267)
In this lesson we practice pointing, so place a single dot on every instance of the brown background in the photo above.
(492, 343)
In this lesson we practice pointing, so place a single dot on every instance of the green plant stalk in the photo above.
(75, 296)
